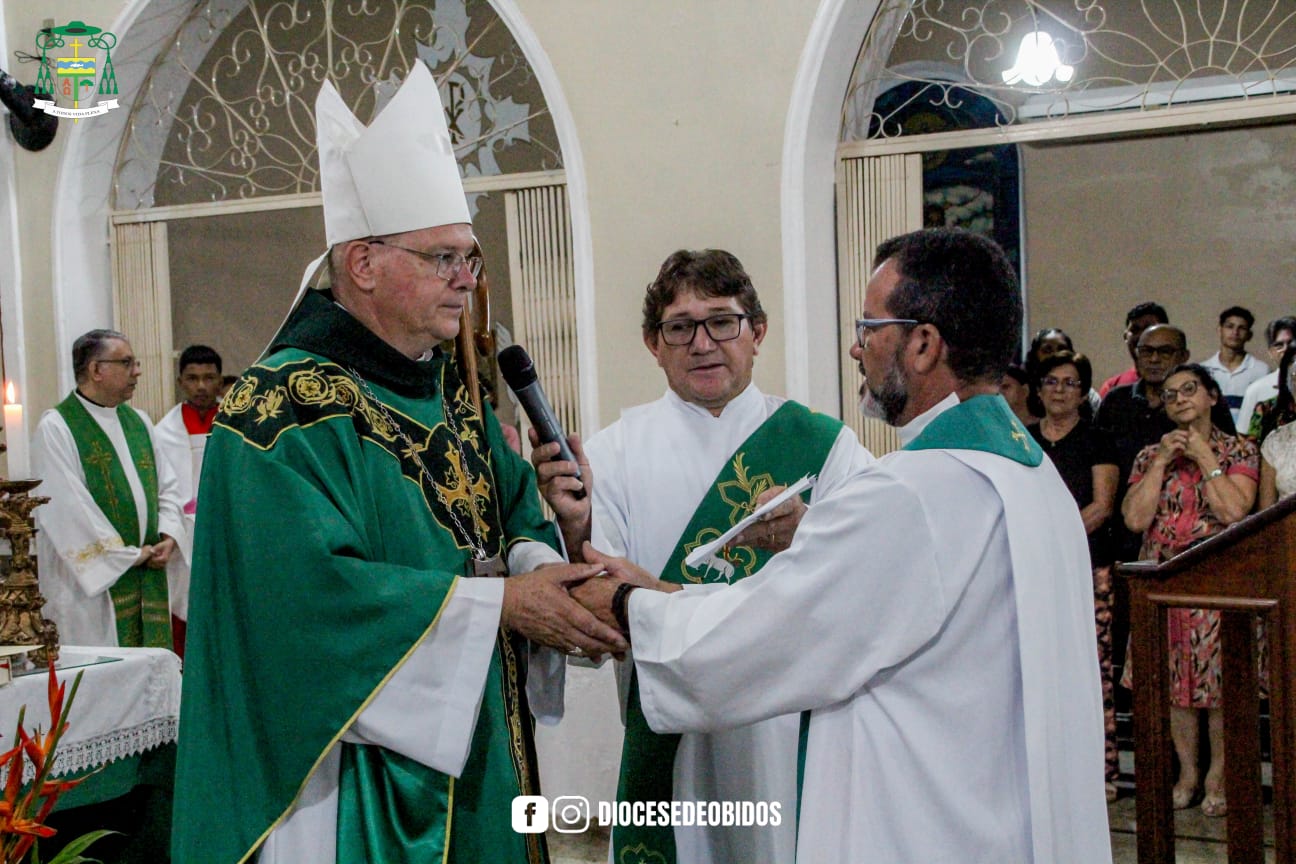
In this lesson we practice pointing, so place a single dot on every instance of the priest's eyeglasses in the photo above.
(721, 328)
(126, 363)
(864, 327)
(448, 264)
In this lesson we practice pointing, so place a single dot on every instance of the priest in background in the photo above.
(181, 437)
(933, 616)
(358, 687)
(114, 524)
(671, 475)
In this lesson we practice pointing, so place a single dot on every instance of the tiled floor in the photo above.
(1199, 839)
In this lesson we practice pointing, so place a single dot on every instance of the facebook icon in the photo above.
(530, 814)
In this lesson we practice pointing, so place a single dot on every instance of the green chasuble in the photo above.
(141, 601)
(792, 442)
(324, 553)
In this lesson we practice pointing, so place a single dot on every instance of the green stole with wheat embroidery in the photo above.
(792, 442)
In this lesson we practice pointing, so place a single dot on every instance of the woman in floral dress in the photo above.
(1185, 488)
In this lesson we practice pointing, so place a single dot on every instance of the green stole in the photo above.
(983, 423)
(140, 598)
(792, 442)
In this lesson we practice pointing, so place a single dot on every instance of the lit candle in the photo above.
(15, 436)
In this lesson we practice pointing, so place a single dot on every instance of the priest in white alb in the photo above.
(667, 477)
(114, 525)
(932, 617)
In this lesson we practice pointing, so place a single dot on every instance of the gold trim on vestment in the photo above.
(351, 722)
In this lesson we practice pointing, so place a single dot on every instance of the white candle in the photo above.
(15, 436)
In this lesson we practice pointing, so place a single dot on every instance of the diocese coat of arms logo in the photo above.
(75, 67)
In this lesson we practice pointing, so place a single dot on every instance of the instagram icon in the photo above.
(570, 814)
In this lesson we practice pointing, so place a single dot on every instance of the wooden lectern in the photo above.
(1247, 571)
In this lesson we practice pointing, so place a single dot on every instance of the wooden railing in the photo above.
(1246, 572)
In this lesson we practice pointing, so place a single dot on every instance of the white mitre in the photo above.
(397, 175)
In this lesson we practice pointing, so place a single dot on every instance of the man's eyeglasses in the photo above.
(866, 326)
(1187, 391)
(721, 328)
(1165, 352)
(448, 264)
(1065, 383)
(124, 362)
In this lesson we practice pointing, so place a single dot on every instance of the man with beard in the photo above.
(932, 616)
(673, 474)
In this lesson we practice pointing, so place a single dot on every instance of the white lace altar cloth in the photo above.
(122, 708)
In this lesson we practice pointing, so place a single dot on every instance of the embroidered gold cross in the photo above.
(1021, 437)
(463, 490)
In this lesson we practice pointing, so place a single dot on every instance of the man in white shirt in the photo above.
(113, 526)
(671, 475)
(1278, 335)
(932, 616)
(1232, 367)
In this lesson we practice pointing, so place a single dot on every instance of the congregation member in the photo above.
(354, 508)
(670, 475)
(1277, 438)
(1279, 334)
(1138, 319)
(1134, 415)
(114, 525)
(181, 437)
(932, 615)
(1085, 456)
(1233, 368)
(1189, 485)
(1014, 387)
(1046, 343)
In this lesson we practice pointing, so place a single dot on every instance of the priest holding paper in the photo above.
(359, 686)
(671, 476)
(114, 526)
(932, 617)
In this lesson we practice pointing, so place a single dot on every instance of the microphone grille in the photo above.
(516, 367)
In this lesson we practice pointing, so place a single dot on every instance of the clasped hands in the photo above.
(569, 606)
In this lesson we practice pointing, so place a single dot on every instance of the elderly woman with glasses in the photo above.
(1185, 488)
(1085, 456)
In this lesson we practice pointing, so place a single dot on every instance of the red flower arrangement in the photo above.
(26, 806)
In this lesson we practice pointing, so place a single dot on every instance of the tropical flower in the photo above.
(26, 806)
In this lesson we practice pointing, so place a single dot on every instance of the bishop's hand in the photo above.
(538, 606)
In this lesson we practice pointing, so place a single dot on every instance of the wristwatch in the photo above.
(620, 597)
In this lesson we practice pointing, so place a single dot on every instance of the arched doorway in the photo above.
(216, 152)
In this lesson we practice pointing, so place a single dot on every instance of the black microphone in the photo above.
(520, 375)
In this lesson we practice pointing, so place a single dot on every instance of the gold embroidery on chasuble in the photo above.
(265, 405)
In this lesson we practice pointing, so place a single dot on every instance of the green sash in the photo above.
(793, 442)
(140, 598)
(984, 423)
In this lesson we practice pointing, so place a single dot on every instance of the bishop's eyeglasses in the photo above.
(721, 328)
(448, 264)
